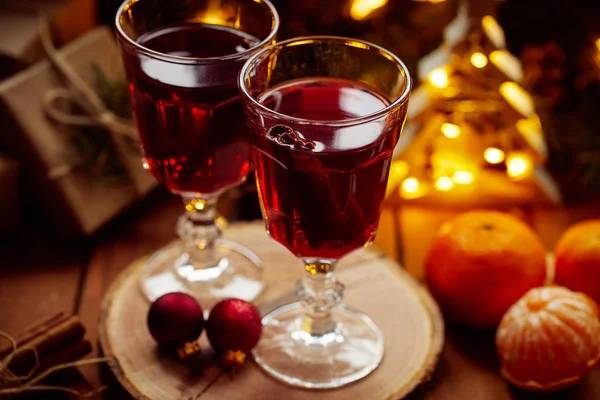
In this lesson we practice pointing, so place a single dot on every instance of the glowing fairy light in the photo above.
(361, 9)
(444, 184)
(518, 98)
(493, 155)
(439, 78)
(493, 31)
(451, 131)
(398, 170)
(598, 44)
(531, 129)
(410, 185)
(518, 166)
(508, 64)
(462, 177)
(479, 60)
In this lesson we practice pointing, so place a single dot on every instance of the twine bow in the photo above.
(79, 93)
(12, 384)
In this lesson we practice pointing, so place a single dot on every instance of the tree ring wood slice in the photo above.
(407, 315)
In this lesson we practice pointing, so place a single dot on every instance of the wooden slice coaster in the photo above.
(408, 317)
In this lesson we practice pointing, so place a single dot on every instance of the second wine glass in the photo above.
(325, 114)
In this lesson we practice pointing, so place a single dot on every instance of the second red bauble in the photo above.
(234, 325)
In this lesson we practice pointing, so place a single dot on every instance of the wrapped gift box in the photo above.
(20, 43)
(75, 201)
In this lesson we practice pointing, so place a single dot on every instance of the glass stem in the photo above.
(199, 231)
(319, 292)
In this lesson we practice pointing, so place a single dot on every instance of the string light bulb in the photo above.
(493, 31)
(361, 9)
(518, 166)
(410, 185)
(444, 184)
(398, 171)
(451, 131)
(479, 60)
(531, 129)
(508, 64)
(518, 98)
(463, 177)
(493, 155)
(439, 78)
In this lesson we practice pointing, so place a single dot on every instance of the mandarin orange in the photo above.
(480, 263)
(577, 255)
(549, 339)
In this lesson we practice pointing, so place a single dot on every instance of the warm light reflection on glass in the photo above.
(451, 131)
(479, 60)
(493, 155)
(518, 166)
(462, 177)
(212, 19)
(439, 78)
(195, 205)
(300, 42)
(444, 184)
(361, 9)
(518, 98)
(598, 44)
(354, 43)
(493, 31)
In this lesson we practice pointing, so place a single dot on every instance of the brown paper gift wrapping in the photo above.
(74, 203)
(68, 18)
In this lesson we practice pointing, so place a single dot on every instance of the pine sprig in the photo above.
(94, 145)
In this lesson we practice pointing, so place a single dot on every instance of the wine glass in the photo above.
(182, 58)
(325, 114)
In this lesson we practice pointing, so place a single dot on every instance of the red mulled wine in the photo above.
(322, 186)
(188, 112)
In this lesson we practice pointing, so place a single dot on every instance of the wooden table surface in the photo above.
(41, 275)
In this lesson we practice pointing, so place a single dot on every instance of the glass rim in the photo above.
(403, 98)
(182, 59)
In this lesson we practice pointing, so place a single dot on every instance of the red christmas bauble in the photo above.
(234, 325)
(174, 319)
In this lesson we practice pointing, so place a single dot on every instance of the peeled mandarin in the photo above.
(549, 339)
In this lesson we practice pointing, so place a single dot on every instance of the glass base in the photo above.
(237, 274)
(293, 356)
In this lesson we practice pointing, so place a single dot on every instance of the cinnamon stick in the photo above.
(70, 353)
(32, 332)
(65, 334)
